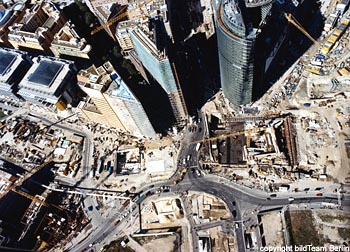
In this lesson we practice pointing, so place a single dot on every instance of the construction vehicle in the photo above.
(291, 19)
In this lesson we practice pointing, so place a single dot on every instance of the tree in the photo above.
(81, 6)
(129, 67)
(89, 18)
(116, 52)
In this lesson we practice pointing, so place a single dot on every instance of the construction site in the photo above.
(33, 154)
(194, 212)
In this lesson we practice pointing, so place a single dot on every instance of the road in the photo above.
(235, 196)
(210, 185)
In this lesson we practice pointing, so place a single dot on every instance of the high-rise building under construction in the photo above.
(246, 44)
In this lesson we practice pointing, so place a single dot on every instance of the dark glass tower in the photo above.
(238, 24)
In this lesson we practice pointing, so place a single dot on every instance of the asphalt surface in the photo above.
(191, 181)
(234, 196)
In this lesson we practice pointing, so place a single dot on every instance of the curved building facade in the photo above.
(236, 31)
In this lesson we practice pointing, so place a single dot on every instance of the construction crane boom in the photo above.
(120, 14)
(109, 22)
(20, 181)
(294, 22)
(28, 196)
(248, 131)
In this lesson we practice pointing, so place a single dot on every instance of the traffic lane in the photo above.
(94, 214)
(221, 190)
(228, 198)
(107, 227)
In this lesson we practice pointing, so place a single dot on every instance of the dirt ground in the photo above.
(334, 225)
(220, 241)
(319, 227)
(165, 244)
(302, 228)
(272, 224)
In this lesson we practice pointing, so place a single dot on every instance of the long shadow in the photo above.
(295, 44)
(153, 99)
(196, 59)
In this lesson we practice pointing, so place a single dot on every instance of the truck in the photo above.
(92, 173)
(198, 145)
(140, 198)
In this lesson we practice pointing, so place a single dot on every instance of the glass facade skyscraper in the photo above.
(238, 24)
(159, 66)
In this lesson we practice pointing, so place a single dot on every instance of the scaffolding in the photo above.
(177, 100)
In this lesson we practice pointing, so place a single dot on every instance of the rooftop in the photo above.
(46, 73)
(6, 62)
(10, 60)
(94, 78)
(119, 89)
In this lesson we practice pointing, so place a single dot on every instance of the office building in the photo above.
(135, 60)
(67, 42)
(111, 102)
(244, 48)
(37, 28)
(153, 57)
(123, 36)
(14, 65)
(7, 18)
(50, 81)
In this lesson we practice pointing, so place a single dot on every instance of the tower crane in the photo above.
(28, 196)
(110, 22)
(248, 131)
(20, 181)
(120, 14)
(291, 19)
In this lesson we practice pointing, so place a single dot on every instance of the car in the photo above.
(319, 194)
(236, 225)
(273, 195)
(233, 203)
(318, 188)
(90, 208)
(291, 199)
(234, 213)
(268, 198)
